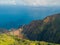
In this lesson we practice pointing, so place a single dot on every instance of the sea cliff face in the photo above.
(47, 29)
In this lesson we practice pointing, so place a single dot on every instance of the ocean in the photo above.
(16, 16)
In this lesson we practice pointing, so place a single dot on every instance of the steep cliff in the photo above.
(47, 29)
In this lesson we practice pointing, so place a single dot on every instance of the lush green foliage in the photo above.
(12, 40)
(6, 40)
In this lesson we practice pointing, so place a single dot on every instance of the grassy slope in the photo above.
(12, 40)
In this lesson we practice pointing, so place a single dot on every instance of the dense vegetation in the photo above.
(13, 40)
(47, 29)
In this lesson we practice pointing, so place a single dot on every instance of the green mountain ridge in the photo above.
(47, 29)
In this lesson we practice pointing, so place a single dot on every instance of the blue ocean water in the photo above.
(15, 16)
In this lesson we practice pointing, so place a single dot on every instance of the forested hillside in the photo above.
(47, 29)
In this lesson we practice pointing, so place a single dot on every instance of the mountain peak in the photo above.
(51, 18)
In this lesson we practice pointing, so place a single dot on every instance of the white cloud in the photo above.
(32, 2)
(7, 2)
(39, 2)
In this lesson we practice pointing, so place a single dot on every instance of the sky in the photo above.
(31, 2)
